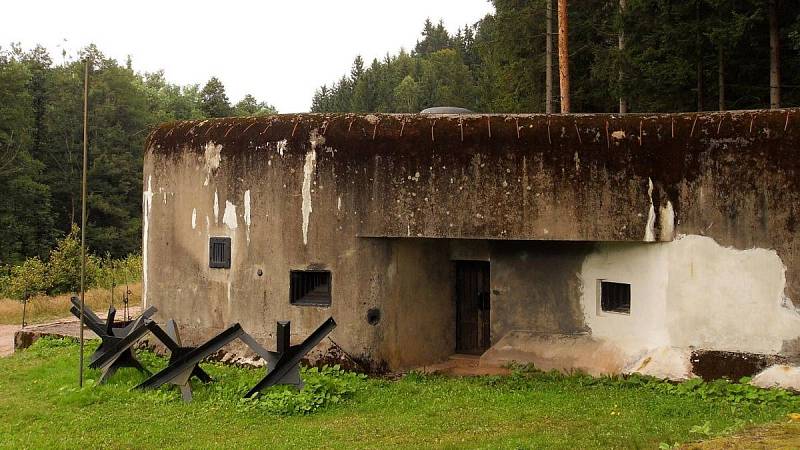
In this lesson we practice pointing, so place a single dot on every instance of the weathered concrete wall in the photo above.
(249, 199)
(732, 176)
(338, 191)
(536, 287)
(280, 216)
(418, 324)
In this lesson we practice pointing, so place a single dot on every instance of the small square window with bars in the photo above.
(219, 253)
(615, 297)
(310, 287)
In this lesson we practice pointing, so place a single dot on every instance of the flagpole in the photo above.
(83, 211)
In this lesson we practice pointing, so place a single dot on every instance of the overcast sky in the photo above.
(280, 51)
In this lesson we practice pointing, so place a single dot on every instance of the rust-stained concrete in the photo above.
(386, 202)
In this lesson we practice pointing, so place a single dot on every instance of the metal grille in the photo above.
(615, 297)
(310, 287)
(219, 253)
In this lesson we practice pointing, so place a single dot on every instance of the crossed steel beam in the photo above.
(183, 362)
(282, 365)
(115, 350)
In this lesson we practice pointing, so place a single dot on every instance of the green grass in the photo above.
(41, 407)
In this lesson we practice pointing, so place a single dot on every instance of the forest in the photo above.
(650, 55)
(41, 138)
(634, 55)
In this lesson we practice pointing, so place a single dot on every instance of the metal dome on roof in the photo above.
(446, 110)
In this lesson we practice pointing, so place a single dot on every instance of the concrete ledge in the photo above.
(25, 338)
(562, 352)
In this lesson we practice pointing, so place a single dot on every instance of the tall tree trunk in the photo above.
(623, 101)
(721, 78)
(700, 85)
(548, 61)
(774, 56)
(563, 55)
(699, 48)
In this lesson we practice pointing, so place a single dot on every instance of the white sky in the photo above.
(279, 51)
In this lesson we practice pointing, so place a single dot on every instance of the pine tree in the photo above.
(213, 100)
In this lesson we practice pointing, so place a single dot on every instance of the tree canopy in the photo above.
(678, 54)
(41, 139)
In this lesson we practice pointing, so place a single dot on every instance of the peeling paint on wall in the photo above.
(216, 207)
(212, 157)
(147, 205)
(247, 213)
(308, 173)
(281, 146)
(229, 218)
(666, 219)
(649, 230)
(194, 218)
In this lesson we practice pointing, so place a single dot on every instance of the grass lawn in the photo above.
(41, 407)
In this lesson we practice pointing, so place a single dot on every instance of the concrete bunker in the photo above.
(602, 243)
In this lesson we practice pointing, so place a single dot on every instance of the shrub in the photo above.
(322, 387)
(29, 278)
(116, 272)
(64, 265)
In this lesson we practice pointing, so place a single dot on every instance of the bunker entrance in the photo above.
(473, 307)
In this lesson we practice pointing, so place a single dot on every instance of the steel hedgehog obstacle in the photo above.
(118, 339)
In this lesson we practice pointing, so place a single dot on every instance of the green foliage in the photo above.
(41, 146)
(723, 390)
(213, 99)
(115, 272)
(42, 407)
(249, 106)
(322, 387)
(26, 279)
(64, 265)
(61, 273)
(25, 204)
(670, 62)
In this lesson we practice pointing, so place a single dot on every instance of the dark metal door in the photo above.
(472, 307)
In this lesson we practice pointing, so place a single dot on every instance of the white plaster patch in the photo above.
(229, 217)
(147, 200)
(281, 146)
(649, 229)
(664, 362)
(308, 173)
(216, 208)
(781, 376)
(645, 268)
(194, 218)
(721, 298)
(212, 157)
(691, 293)
(247, 213)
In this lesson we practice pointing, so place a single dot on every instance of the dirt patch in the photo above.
(7, 339)
(12, 337)
(711, 365)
